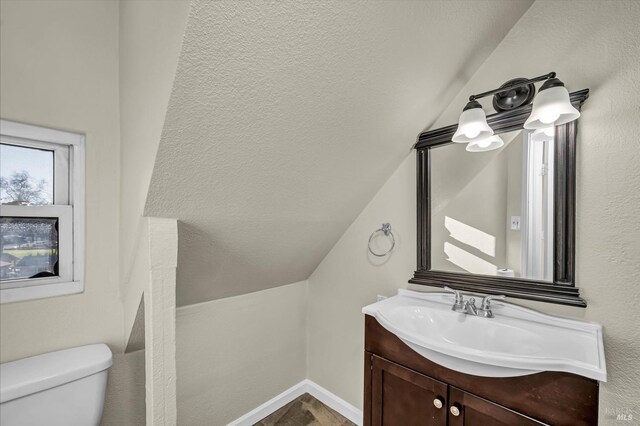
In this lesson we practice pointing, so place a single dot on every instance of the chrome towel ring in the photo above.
(386, 229)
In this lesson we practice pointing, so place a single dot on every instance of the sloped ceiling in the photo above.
(285, 118)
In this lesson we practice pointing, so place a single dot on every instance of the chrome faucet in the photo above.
(468, 307)
(458, 304)
(485, 306)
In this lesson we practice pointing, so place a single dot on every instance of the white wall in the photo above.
(350, 278)
(160, 322)
(591, 44)
(59, 65)
(236, 353)
(124, 403)
(150, 39)
(59, 68)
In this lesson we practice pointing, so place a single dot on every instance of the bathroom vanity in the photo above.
(428, 365)
(403, 388)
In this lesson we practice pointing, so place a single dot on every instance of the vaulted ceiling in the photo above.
(285, 118)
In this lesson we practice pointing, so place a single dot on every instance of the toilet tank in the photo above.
(58, 388)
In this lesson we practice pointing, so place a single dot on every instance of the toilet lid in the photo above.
(35, 374)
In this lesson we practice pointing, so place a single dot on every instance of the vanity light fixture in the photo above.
(551, 107)
(472, 125)
(487, 144)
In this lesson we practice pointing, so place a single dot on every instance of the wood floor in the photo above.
(305, 411)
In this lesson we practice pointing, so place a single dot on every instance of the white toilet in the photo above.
(60, 388)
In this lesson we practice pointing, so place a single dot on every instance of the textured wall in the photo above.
(350, 278)
(59, 68)
(590, 44)
(124, 404)
(160, 322)
(236, 353)
(285, 118)
(150, 38)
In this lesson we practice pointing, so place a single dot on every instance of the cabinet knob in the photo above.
(438, 403)
(455, 410)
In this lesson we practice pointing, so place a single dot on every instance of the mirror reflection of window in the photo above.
(537, 205)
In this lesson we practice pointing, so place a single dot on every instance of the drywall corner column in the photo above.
(160, 315)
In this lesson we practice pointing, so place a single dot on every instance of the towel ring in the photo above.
(386, 229)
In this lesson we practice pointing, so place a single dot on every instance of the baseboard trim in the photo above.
(306, 386)
(335, 402)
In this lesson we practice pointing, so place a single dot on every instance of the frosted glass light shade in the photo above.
(472, 126)
(544, 134)
(487, 144)
(551, 107)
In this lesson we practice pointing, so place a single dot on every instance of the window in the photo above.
(41, 212)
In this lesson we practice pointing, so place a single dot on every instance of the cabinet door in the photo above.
(404, 397)
(466, 409)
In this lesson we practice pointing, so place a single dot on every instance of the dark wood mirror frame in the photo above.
(562, 290)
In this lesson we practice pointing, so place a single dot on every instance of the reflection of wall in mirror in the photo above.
(468, 209)
(472, 202)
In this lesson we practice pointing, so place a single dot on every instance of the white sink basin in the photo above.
(516, 342)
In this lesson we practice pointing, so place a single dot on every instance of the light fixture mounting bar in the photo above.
(513, 86)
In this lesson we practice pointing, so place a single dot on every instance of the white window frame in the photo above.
(69, 209)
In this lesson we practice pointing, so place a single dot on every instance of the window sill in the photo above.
(20, 294)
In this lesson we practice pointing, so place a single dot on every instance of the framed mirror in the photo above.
(500, 221)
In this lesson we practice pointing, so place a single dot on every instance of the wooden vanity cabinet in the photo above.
(474, 410)
(400, 396)
(403, 388)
